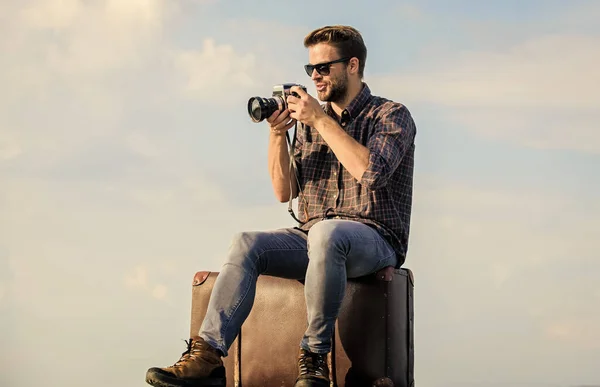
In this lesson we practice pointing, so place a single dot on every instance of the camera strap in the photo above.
(292, 170)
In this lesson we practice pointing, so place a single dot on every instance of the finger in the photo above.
(273, 117)
(292, 99)
(281, 128)
(280, 123)
(299, 90)
(289, 124)
(281, 117)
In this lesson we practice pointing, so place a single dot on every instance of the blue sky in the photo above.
(127, 162)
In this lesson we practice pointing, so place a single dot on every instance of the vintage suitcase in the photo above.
(373, 343)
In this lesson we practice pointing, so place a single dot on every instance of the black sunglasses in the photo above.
(323, 68)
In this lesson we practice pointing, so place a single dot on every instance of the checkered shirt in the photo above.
(383, 196)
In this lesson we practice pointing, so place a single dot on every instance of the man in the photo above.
(355, 166)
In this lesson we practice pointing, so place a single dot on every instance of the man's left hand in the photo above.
(305, 109)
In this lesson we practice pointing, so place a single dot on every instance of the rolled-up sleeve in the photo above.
(393, 135)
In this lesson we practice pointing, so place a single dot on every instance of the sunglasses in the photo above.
(323, 68)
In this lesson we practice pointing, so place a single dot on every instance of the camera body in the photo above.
(260, 108)
(285, 89)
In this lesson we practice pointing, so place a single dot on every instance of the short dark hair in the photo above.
(347, 40)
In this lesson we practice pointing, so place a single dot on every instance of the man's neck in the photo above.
(353, 89)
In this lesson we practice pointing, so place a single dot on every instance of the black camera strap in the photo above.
(292, 170)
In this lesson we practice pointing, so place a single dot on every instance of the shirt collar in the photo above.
(355, 106)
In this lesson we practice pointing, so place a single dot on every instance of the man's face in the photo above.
(332, 87)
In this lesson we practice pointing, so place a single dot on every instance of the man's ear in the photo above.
(353, 63)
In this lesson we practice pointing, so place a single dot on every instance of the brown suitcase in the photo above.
(373, 343)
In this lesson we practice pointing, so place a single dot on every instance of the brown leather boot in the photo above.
(200, 366)
(312, 370)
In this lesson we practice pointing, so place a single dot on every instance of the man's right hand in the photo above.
(279, 124)
(278, 155)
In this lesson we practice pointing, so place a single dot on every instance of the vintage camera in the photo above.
(261, 108)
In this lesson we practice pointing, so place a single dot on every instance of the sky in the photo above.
(128, 161)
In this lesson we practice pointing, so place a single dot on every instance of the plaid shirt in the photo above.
(383, 197)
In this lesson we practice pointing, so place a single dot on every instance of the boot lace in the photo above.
(190, 353)
(313, 364)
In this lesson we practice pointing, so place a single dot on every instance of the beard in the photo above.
(336, 91)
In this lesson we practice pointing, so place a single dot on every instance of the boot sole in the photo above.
(310, 382)
(158, 379)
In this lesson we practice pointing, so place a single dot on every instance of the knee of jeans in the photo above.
(244, 249)
(326, 235)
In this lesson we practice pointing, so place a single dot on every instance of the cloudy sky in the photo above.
(127, 161)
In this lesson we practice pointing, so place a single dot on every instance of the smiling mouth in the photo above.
(321, 87)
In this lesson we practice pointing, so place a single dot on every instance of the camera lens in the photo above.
(260, 109)
(256, 108)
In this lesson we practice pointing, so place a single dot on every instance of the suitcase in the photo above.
(374, 341)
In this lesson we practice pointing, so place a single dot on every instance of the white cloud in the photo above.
(64, 67)
(264, 35)
(501, 268)
(9, 149)
(159, 292)
(540, 93)
(73, 38)
(494, 268)
(217, 71)
(97, 89)
(51, 14)
(108, 251)
(138, 280)
(50, 44)
(123, 211)
(145, 237)
(134, 12)
(139, 143)
(573, 331)
(97, 167)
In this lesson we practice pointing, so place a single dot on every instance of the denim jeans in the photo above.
(333, 251)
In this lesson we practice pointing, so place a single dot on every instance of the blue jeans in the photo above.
(333, 251)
